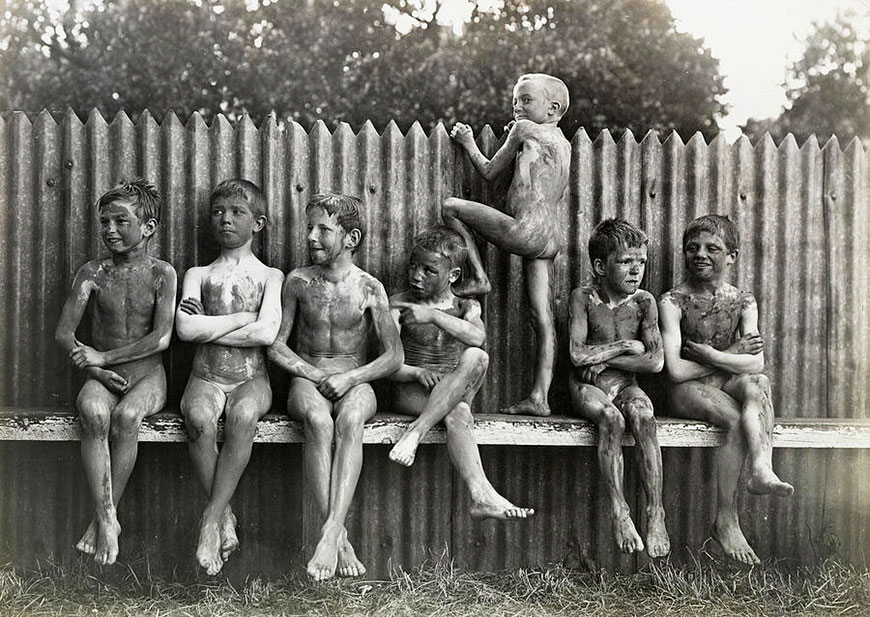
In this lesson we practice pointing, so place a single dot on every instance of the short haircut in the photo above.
(553, 87)
(144, 196)
(612, 234)
(717, 225)
(443, 241)
(345, 208)
(236, 187)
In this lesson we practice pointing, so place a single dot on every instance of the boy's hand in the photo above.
(428, 379)
(192, 306)
(634, 348)
(697, 352)
(410, 314)
(509, 126)
(751, 343)
(114, 382)
(589, 374)
(82, 355)
(462, 133)
(335, 386)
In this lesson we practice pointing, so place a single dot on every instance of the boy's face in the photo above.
(233, 223)
(120, 227)
(707, 257)
(430, 274)
(326, 237)
(531, 103)
(623, 269)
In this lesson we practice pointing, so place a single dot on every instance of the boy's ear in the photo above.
(598, 266)
(149, 227)
(454, 275)
(555, 108)
(260, 223)
(352, 238)
(733, 256)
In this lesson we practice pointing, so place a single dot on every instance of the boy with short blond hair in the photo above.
(442, 335)
(232, 309)
(541, 158)
(128, 299)
(329, 308)
(614, 334)
(714, 357)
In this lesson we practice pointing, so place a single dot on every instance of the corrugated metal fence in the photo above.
(804, 215)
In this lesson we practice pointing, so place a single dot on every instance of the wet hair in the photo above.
(345, 208)
(553, 87)
(717, 225)
(236, 187)
(144, 196)
(612, 234)
(443, 241)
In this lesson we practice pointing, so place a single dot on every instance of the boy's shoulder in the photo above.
(585, 293)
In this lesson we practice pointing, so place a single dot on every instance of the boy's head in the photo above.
(129, 213)
(436, 261)
(237, 210)
(540, 98)
(618, 252)
(710, 246)
(334, 224)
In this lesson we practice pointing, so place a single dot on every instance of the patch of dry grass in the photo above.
(705, 587)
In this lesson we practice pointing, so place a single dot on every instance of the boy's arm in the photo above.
(154, 342)
(264, 330)
(279, 352)
(678, 368)
(588, 355)
(195, 327)
(735, 363)
(652, 359)
(501, 160)
(467, 329)
(391, 359)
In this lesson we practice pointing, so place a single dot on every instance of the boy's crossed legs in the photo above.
(743, 407)
(108, 467)
(450, 400)
(538, 247)
(220, 471)
(633, 406)
(333, 475)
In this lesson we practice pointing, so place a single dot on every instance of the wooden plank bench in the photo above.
(46, 424)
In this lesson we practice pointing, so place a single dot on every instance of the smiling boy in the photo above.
(541, 158)
(614, 334)
(128, 298)
(232, 309)
(714, 357)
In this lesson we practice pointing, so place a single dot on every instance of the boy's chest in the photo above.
(338, 305)
(711, 321)
(224, 293)
(606, 324)
(124, 292)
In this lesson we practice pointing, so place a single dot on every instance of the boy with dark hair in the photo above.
(614, 334)
(128, 299)
(714, 356)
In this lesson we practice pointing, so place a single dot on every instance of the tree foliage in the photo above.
(827, 88)
(624, 62)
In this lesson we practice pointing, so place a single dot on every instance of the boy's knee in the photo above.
(640, 414)
(349, 421)
(449, 206)
(319, 424)
(478, 360)
(94, 417)
(459, 418)
(241, 421)
(198, 423)
(125, 422)
(612, 420)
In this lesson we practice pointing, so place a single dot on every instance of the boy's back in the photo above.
(541, 170)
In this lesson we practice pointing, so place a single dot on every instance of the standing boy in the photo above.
(541, 156)
(442, 335)
(231, 307)
(614, 334)
(329, 309)
(129, 299)
(714, 356)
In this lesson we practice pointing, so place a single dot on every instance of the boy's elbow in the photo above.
(164, 341)
(397, 359)
(657, 362)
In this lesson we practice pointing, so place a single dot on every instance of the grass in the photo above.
(706, 587)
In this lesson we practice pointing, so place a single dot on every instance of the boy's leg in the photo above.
(539, 275)
(698, 401)
(95, 403)
(474, 281)
(245, 405)
(591, 403)
(460, 385)
(757, 420)
(497, 228)
(351, 412)
(638, 411)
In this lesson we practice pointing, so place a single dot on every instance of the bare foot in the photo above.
(208, 552)
(657, 542)
(108, 531)
(497, 507)
(229, 539)
(528, 407)
(627, 537)
(405, 449)
(88, 542)
(348, 564)
(322, 565)
(764, 481)
(732, 541)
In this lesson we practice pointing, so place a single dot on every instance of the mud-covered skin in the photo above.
(712, 320)
(428, 346)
